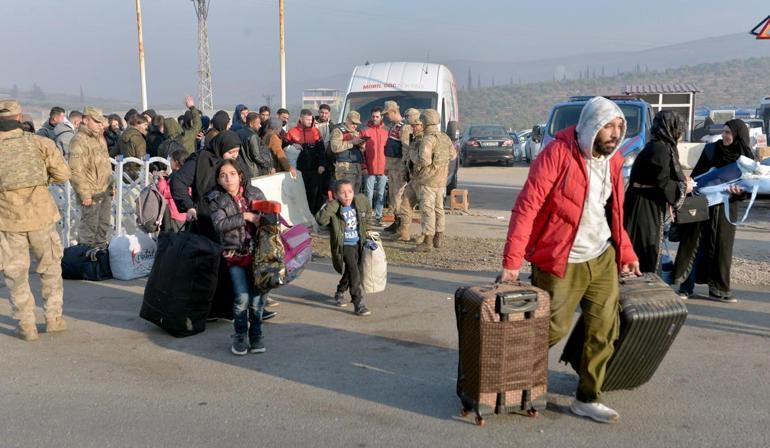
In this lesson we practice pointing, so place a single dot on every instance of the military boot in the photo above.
(395, 227)
(426, 245)
(437, 238)
(27, 332)
(55, 324)
(403, 233)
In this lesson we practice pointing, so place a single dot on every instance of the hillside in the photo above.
(739, 83)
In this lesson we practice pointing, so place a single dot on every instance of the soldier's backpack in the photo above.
(22, 166)
(150, 208)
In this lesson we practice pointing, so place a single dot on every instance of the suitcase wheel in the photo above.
(480, 421)
(533, 413)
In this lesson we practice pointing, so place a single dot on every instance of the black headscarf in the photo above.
(225, 141)
(741, 145)
(220, 120)
(667, 128)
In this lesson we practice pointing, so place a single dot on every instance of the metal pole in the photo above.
(283, 53)
(142, 80)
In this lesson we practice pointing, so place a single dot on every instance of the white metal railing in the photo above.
(123, 203)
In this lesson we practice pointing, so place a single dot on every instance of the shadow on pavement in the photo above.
(402, 374)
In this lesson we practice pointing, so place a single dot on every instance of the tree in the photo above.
(37, 93)
(470, 79)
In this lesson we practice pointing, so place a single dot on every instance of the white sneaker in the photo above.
(595, 411)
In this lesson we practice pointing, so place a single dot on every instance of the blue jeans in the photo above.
(375, 191)
(248, 304)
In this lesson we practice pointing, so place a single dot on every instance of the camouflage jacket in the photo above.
(433, 156)
(90, 163)
(33, 208)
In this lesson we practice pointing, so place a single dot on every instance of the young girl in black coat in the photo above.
(235, 227)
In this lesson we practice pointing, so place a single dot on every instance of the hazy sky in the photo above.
(62, 44)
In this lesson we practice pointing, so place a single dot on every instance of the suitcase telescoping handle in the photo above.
(515, 302)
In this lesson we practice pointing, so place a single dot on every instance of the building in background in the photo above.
(312, 98)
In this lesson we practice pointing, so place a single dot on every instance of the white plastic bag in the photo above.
(132, 256)
(375, 267)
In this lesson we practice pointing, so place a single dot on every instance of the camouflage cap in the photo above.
(354, 117)
(430, 117)
(389, 106)
(413, 119)
(94, 114)
(9, 108)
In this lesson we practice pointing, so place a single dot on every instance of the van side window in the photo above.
(443, 115)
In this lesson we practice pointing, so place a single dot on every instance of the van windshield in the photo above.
(364, 102)
(568, 115)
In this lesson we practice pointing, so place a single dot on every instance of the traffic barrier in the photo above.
(458, 200)
(123, 202)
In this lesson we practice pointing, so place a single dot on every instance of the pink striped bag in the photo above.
(298, 245)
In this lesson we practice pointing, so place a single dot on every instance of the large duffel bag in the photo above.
(82, 262)
(181, 286)
(502, 331)
(651, 315)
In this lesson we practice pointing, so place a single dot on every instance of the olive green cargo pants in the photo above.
(594, 285)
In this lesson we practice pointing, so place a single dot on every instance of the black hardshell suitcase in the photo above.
(651, 315)
(181, 285)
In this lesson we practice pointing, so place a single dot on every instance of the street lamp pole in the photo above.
(142, 80)
(282, 53)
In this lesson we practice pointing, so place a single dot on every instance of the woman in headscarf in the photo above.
(656, 183)
(196, 178)
(189, 187)
(706, 248)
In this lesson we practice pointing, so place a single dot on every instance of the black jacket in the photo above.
(154, 139)
(112, 142)
(655, 167)
(227, 218)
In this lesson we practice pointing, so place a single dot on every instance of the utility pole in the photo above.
(205, 90)
(142, 80)
(282, 53)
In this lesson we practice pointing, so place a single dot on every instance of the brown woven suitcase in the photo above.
(502, 331)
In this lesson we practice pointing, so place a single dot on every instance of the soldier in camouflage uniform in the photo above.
(411, 136)
(92, 178)
(394, 160)
(28, 217)
(431, 169)
(345, 144)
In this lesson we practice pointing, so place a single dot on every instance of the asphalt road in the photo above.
(330, 378)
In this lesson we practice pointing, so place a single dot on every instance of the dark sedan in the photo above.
(486, 143)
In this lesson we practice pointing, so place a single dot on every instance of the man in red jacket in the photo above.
(375, 179)
(568, 222)
(312, 158)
